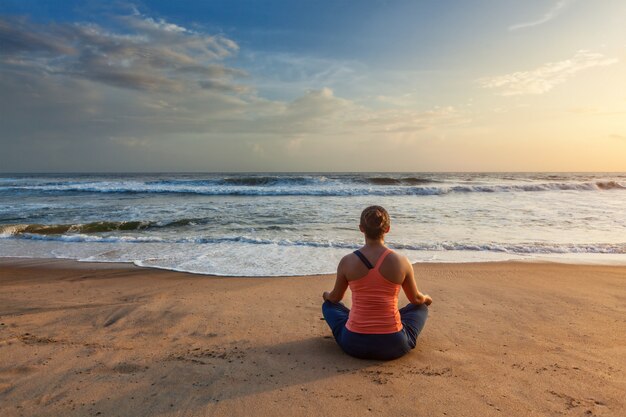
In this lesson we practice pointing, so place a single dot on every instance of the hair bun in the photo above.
(375, 221)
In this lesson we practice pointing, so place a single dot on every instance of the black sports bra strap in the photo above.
(364, 259)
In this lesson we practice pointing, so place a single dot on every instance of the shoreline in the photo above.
(71, 262)
(107, 339)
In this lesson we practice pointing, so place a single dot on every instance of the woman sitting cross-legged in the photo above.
(375, 328)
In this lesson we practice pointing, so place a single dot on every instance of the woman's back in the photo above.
(374, 298)
(392, 267)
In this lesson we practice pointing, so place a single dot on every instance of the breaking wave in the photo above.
(78, 234)
(263, 186)
(9, 230)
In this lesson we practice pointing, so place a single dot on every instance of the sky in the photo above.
(340, 85)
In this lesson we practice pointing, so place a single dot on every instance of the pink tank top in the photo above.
(374, 303)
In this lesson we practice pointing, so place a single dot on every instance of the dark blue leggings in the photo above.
(376, 346)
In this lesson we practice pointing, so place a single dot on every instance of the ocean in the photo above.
(303, 223)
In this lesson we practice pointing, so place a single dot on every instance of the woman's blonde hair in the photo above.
(375, 221)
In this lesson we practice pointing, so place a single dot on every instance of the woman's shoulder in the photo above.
(347, 257)
(395, 267)
(346, 260)
(396, 258)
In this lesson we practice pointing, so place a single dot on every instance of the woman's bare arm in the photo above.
(341, 285)
(410, 287)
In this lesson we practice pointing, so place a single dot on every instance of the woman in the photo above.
(375, 328)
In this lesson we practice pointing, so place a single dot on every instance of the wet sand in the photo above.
(502, 339)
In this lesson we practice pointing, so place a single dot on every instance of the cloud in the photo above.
(221, 86)
(410, 121)
(316, 111)
(320, 112)
(547, 76)
(17, 37)
(556, 10)
(618, 137)
(285, 75)
(134, 93)
(143, 54)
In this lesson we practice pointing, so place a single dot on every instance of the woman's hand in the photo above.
(325, 295)
(422, 299)
(427, 299)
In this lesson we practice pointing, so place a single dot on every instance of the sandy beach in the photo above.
(503, 339)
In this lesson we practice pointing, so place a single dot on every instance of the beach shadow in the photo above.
(266, 368)
(191, 381)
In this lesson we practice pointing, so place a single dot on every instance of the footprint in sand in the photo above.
(128, 368)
